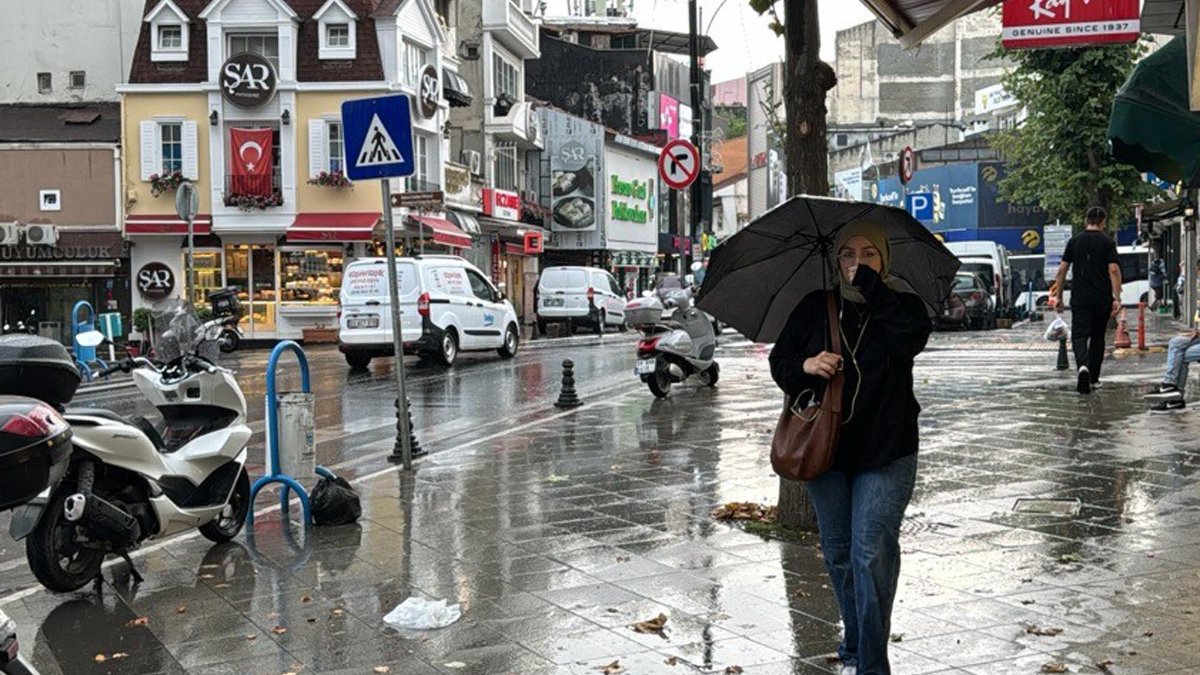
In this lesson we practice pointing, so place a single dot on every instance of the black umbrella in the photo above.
(759, 275)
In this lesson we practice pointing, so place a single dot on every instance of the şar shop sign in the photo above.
(1030, 24)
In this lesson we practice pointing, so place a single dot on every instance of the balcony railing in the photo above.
(253, 192)
(515, 30)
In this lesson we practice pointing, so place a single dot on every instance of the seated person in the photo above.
(1181, 351)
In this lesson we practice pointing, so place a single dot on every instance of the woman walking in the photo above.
(861, 501)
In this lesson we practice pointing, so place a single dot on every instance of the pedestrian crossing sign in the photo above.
(379, 137)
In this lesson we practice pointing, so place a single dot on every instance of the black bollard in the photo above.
(1063, 362)
(397, 456)
(568, 398)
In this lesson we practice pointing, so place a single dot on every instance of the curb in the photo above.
(578, 340)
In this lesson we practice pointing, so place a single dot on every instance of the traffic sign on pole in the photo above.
(920, 205)
(908, 164)
(679, 164)
(379, 144)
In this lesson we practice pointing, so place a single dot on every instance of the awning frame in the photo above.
(910, 32)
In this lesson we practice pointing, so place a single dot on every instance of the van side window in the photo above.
(480, 287)
(612, 284)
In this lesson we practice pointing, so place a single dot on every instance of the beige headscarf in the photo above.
(875, 234)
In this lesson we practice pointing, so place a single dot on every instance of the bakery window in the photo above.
(310, 276)
(208, 266)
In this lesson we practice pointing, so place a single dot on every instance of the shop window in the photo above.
(250, 271)
(310, 276)
(208, 266)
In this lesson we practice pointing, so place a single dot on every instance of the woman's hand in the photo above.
(823, 365)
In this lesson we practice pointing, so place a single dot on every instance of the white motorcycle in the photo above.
(130, 480)
(673, 350)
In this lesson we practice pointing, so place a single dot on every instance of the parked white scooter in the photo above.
(671, 351)
(130, 480)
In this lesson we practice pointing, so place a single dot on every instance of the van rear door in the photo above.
(366, 302)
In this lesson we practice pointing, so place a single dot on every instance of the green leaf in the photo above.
(762, 6)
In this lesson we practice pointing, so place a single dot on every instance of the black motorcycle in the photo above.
(227, 311)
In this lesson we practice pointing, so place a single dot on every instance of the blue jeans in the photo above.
(859, 516)
(1181, 351)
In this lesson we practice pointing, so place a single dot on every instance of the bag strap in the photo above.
(835, 333)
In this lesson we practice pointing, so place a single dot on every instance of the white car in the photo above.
(446, 306)
(579, 295)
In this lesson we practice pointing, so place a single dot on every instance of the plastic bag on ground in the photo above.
(421, 614)
(334, 502)
(1057, 330)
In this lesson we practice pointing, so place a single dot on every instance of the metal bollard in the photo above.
(1064, 363)
(1141, 326)
(397, 456)
(568, 398)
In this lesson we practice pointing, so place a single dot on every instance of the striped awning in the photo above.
(442, 231)
(166, 224)
(76, 269)
(333, 226)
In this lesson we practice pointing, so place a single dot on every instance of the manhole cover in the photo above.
(1050, 507)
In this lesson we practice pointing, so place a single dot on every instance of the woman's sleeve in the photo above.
(904, 325)
(791, 350)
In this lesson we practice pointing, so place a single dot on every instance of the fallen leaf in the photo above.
(279, 630)
(761, 513)
(1028, 602)
(672, 661)
(306, 598)
(833, 658)
(803, 594)
(1148, 633)
(1103, 665)
(1131, 652)
(382, 669)
(456, 665)
(655, 625)
(613, 610)
(611, 669)
(1054, 668)
(338, 611)
(555, 478)
(251, 638)
(734, 670)
(208, 576)
(182, 609)
(100, 658)
(897, 637)
(120, 655)
(1044, 632)
(623, 558)
(1069, 558)
(221, 586)
(140, 621)
(311, 620)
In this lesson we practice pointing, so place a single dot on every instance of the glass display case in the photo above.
(209, 277)
(311, 276)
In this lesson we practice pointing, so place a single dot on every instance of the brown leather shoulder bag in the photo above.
(806, 439)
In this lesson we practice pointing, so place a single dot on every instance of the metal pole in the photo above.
(397, 327)
(697, 121)
(1189, 260)
(191, 264)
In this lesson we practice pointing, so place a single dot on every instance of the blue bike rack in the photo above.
(84, 355)
(288, 482)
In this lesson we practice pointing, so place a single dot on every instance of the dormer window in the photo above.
(337, 25)
(168, 32)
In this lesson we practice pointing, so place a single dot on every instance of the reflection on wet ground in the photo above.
(560, 533)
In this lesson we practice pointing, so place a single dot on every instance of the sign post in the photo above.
(679, 164)
(187, 203)
(1055, 237)
(378, 136)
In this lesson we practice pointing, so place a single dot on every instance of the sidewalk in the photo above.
(559, 535)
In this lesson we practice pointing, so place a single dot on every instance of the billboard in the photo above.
(668, 116)
(576, 149)
(1035, 24)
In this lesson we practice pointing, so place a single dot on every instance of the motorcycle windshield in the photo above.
(178, 331)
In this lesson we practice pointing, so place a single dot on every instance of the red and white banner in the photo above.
(501, 204)
(1035, 24)
(250, 163)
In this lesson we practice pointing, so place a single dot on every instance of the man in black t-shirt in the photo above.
(1095, 294)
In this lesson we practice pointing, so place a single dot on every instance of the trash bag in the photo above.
(334, 502)
(1057, 330)
(422, 614)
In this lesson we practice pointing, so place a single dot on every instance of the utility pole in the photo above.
(697, 116)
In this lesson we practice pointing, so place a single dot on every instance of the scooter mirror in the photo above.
(92, 338)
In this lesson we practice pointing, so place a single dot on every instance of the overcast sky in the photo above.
(744, 42)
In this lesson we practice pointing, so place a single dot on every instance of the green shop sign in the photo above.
(623, 210)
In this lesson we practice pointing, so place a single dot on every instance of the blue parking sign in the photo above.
(378, 137)
(920, 205)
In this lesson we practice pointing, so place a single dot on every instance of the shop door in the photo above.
(250, 269)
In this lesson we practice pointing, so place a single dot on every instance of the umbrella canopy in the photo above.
(1151, 126)
(759, 275)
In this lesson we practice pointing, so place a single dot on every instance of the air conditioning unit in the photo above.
(10, 234)
(474, 160)
(41, 235)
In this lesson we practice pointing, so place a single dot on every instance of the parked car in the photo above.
(978, 304)
(447, 306)
(1001, 277)
(952, 314)
(576, 296)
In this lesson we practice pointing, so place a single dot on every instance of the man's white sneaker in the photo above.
(849, 670)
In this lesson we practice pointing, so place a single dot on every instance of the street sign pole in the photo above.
(397, 327)
(187, 202)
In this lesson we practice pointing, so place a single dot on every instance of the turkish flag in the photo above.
(250, 161)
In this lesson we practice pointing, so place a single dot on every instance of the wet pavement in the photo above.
(1046, 528)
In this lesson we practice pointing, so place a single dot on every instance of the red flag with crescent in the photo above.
(250, 161)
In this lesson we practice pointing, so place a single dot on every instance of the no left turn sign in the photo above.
(679, 164)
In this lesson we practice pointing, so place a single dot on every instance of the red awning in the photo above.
(165, 224)
(444, 231)
(333, 226)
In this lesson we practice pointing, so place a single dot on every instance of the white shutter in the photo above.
(149, 142)
(316, 148)
(191, 161)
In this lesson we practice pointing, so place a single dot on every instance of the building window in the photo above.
(50, 200)
(505, 176)
(45, 83)
(171, 146)
(265, 45)
(170, 37)
(78, 79)
(842, 140)
(337, 35)
(419, 181)
(415, 58)
(506, 78)
(310, 276)
(335, 149)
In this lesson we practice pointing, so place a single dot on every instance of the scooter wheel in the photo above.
(231, 519)
(660, 383)
(54, 556)
(229, 342)
(710, 375)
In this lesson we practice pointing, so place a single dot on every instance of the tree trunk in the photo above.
(807, 79)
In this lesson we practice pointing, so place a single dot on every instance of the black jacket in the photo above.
(880, 411)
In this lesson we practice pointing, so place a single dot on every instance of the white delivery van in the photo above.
(579, 295)
(446, 306)
(1001, 270)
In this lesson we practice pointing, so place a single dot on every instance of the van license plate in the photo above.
(368, 322)
(645, 367)
(554, 302)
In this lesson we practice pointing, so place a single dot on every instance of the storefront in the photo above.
(45, 282)
(515, 247)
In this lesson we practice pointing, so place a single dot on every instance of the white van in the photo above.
(446, 305)
(579, 295)
(1001, 269)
